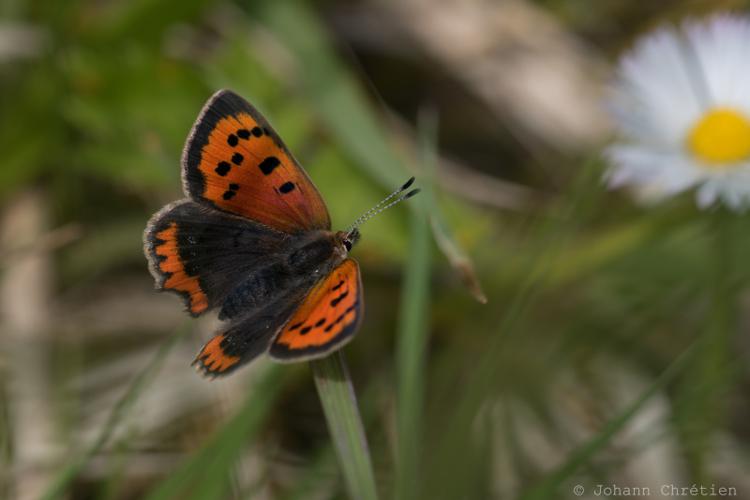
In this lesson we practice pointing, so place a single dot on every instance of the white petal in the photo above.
(721, 47)
(658, 171)
(706, 195)
(733, 187)
(654, 100)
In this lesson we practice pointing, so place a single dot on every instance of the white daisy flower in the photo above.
(682, 106)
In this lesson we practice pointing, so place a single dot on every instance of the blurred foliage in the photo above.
(593, 300)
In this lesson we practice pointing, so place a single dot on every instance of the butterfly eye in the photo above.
(348, 245)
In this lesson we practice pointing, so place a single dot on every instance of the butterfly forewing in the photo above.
(202, 254)
(234, 161)
(327, 318)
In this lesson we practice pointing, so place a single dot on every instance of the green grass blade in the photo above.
(206, 475)
(412, 339)
(333, 92)
(119, 412)
(344, 109)
(345, 424)
(702, 400)
(549, 237)
(548, 488)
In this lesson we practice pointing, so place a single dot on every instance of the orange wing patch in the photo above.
(234, 160)
(328, 317)
(212, 360)
(171, 266)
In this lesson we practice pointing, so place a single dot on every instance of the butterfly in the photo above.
(253, 239)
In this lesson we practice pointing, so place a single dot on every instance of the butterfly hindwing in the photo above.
(234, 161)
(327, 317)
(201, 253)
(245, 338)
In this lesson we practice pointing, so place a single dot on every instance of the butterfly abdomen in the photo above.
(261, 286)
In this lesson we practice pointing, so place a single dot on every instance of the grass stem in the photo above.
(345, 424)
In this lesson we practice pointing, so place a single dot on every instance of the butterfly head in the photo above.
(348, 238)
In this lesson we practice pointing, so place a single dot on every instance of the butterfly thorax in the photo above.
(305, 259)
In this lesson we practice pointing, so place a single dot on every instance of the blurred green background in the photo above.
(613, 347)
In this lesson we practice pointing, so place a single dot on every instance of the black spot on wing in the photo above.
(223, 168)
(268, 164)
(232, 140)
(287, 187)
(231, 192)
(341, 317)
(237, 159)
(338, 299)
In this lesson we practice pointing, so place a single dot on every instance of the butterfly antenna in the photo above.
(385, 204)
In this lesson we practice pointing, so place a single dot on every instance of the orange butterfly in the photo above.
(253, 238)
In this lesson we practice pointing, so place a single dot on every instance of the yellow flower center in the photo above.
(721, 136)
